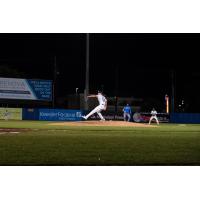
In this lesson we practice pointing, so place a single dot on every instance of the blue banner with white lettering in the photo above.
(42, 89)
(60, 115)
(27, 89)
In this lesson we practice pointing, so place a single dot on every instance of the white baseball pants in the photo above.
(154, 117)
(97, 110)
(127, 115)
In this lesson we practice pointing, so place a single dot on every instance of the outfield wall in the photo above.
(145, 117)
(60, 115)
(40, 114)
(51, 114)
(69, 115)
(11, 113)
(190, 118)
(30, 114)
(75, 115)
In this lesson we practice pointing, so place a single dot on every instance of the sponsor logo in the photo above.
(71, 115)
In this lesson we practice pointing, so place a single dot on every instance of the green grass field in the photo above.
(39, 143)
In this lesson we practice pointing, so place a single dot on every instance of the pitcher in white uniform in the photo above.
(102, 106)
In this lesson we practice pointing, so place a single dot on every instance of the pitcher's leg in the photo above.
(92, 112)
(101, 116)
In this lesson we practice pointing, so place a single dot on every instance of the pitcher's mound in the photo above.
(101, 123)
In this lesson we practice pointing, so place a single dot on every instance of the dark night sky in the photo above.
(142, 62)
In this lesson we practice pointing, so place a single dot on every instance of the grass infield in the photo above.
(34, 143)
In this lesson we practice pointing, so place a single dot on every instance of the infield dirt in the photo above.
(102, 123)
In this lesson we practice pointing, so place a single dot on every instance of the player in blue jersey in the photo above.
(127, 113)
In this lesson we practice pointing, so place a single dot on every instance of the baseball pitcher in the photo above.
(102, 106)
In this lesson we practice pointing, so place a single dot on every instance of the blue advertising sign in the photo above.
(27, 89)
(30, 113)
(186, 118)
(60, 115)
(41, 88)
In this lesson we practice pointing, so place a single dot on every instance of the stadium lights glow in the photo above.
(167, 103)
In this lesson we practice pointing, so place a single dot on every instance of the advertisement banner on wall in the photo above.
(60, 115)
(30, 114)
(186, 118)
(108, 115)
(144, 117)
(26, 89)
(136, 117)
(11, 113)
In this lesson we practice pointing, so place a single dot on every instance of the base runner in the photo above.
(102, 106)
(153, 116)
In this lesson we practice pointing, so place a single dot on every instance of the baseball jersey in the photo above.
(127, 109)
(102, 100)
(153, 112)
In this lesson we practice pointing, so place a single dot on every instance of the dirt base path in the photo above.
(102, 123)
